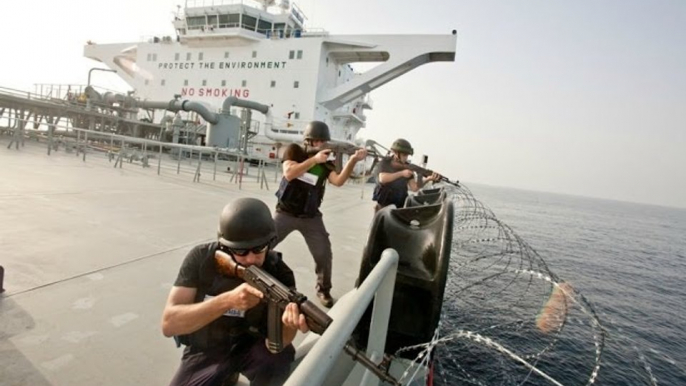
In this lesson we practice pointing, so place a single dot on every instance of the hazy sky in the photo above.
(576, 97)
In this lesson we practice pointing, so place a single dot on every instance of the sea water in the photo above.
(624, 323)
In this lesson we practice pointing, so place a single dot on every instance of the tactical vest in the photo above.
(225, 330)
(303, 196)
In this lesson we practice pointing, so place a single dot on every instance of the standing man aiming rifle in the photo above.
(301, 193)
(395, 178)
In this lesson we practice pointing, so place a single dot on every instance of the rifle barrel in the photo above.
(425, 172)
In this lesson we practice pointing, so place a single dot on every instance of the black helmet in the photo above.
(317, 130)
(246, 223)
(402, 146)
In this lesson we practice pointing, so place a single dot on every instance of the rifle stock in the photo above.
(277, 296)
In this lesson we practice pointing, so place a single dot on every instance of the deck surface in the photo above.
(90, 253)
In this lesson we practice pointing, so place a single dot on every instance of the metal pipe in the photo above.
(111, 98)
(214, 173)
(97, 69)
(233, 101)
(159, 161)
(185, 105)
(199, 108)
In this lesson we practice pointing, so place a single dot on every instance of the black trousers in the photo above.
(317, 240)
(251, 358)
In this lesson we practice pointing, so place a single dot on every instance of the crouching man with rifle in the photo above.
(222, 320)
(279, 298)
(396, 176)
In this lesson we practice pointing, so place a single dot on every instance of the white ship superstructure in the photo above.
(256, 51)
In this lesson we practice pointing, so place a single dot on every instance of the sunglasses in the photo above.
(244, 251)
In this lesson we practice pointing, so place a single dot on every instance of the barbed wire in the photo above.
(507, 319)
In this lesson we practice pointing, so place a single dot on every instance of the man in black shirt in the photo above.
(219, 318)
(395, 179)
(301, 193)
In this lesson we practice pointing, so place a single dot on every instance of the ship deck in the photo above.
(90, 253)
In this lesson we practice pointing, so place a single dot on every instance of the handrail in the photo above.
(14, 91)
(214, 3)
(76, 89)
(378, 285)
(148, 142)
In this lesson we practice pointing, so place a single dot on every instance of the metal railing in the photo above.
(17, 93)
(120, 148)
(216, 3)
(48, 91)
(322, 357)
(58, 91)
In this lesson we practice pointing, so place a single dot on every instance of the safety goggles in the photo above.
(244, 251)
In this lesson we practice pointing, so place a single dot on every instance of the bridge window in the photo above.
(300, 54)
(254, 54)
(185, 82)
(279, 28)
(177, 56)
(212, 20)
(154, 57)
(263, 26)
(249, 22)
(223, 21)
(291, 54)
(226, 55)
(296, 84)
(273, 84)
(223, 83)
(296, 115)
(234, 20)
(201, 55)
(204, 82)
(162, 82)
(244, 83)
(189, 56)
(195, 22)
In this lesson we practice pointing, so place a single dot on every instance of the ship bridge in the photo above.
(210, 20)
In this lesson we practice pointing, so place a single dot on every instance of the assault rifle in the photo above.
(371, 144)
(423, 172)
(336, 147)
(277, 297)
(339, 148)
